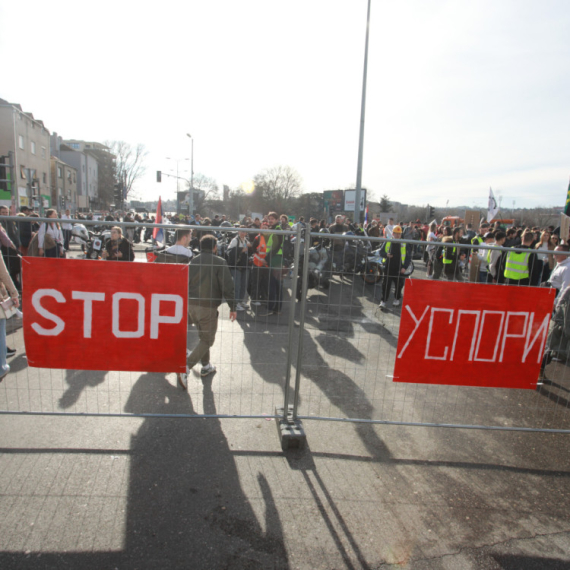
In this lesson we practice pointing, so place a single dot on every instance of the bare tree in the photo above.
(205, 189)
(129, 163)
(276, 186)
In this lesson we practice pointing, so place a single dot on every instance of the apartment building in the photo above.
(64, 185)
(29, 140)
(85, 164)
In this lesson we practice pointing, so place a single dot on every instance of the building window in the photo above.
(43, 151)
(33, 147)
(69, 175)
(74, 178)
(21, 141)
(59, 171)
(22, 171)
(45, 178)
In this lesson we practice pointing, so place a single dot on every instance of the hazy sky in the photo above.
(462, 95)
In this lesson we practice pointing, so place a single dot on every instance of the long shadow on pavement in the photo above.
(185, 504)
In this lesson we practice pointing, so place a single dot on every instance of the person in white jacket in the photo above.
(560, 276)
(52, 245)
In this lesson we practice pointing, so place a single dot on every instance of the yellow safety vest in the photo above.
(516, 267)
(402, 250)
(445, 260)
(270, 243)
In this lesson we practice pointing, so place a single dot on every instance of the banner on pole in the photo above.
(103, 315)
(464, 334)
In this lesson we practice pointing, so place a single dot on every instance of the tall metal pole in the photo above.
(361, 139)
(191, 195)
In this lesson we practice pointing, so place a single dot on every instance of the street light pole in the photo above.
(178, 161)
(361, 138)
(191, 195)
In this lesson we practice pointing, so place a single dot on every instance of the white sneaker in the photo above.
(239, 307)
(396, 302)
(208, 369)
(256, 303)
(382, 304)
(183, 379)
(244, 305)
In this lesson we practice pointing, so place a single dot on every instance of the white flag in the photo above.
(493, 208)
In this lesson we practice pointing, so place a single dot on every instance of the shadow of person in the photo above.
(18, 363)
(78, 380)
(186, 507)
(267, 347)
(343, 393)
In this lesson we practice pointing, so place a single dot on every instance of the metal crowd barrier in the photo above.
(328, 356)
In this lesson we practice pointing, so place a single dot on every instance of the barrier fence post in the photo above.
(289, 429)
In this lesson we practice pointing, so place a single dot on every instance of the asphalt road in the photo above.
(189, 492)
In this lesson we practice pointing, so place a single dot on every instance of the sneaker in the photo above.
(239, 307)
(256, 303)
(183, 379)
(208, 369)
(382, 304)
(396, 302)
(244, 305)
(10, 351)
(5, 373)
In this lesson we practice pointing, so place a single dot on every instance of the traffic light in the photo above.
(158, 176)
(431, 215)
(118, 194)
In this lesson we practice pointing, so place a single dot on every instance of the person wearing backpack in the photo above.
(237, 256)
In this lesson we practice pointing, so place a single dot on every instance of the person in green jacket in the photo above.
(209, 282)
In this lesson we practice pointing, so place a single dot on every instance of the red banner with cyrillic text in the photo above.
(466, 334)
(105, 315)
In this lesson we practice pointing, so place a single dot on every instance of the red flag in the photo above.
(158, 233)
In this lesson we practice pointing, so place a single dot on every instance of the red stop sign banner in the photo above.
(103, 315)
(466, 334)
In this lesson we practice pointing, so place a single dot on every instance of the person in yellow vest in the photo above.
(496, 260)
(521, 267)
(477, 273)
(454, 256)
(398, 257)
(274, 260)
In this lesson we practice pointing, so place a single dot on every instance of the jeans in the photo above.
(4, 367)
(275, 290)
(240, 283)
(66, 238)
(338, 259)
(398, 281)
